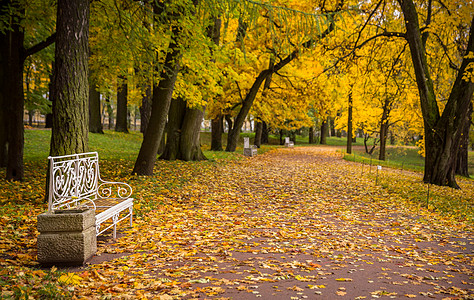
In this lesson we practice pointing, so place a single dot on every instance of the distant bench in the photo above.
(75, 183)
(288, 143)
(249, 150)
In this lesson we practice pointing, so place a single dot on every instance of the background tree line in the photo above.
(377, 68)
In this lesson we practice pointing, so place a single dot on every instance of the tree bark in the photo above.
(183, 133)
(442, 132)
(3, 96)
(13, 100)
(121, 124)
(110, 112)
(332, 126)
(95, 117)
(190, 142)
(265, 132)
(173, 129)
(324, 132)
(162, 94)
(462, 164)
(145, 109)
(217, 129)
(258, 134)
(349, 125)
(384, 129)
(70, 84)
(311, 135)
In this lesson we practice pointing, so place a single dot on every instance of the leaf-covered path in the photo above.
(297, 223)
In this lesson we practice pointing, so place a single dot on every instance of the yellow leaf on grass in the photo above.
(410, 296)
(70, 278)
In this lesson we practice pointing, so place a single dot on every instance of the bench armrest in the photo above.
(114, 190)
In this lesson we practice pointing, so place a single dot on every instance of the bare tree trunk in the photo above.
(324, 132)
(173, 129)
(258, 134)
(190, 146)
(162, 94)
(145, 109)
(311, 135)
(121, 124)
(70, 84)
(442, 132)
(14, 102)
(349, 125)
(95, 118)
(3, 96)
(217, 129)
(384, 129)
(462, 164)
(265, 132)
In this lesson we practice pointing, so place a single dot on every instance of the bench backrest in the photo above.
(72, 178)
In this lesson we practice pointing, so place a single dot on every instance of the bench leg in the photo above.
(131, 216)
(115, 220)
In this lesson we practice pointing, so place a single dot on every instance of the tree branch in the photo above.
(445, 48)
(40, 46)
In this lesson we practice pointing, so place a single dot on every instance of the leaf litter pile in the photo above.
(296, 223)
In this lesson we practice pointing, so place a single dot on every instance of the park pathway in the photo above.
(295, 223)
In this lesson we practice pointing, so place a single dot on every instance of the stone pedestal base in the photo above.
(66, 237)
(250, 151)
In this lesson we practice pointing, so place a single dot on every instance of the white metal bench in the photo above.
(75, 183)
(288, 143)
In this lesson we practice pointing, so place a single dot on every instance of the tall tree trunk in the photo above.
(442, 132)
(110, 112)
(332, 126)
(173, 129)
(14, 101)
(190, 141)
(384, 129)
(217, 129)
(265, 132)
(121, 124)
(311, 135)
(95, 117)
(462, 164)
(145, 109)
(49, 116)
(324, 132)
(70, 84)
(183, 133)
(349, 125)
(12, 58)
(4, 71)
(162, 95)
(258, 133)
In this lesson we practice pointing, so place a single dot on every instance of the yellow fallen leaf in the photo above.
(70, 278)
(343, 279)
(341, 293)
(410, 296)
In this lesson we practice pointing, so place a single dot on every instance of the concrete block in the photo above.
(250, 151)
(74, 244)
(66, 220)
